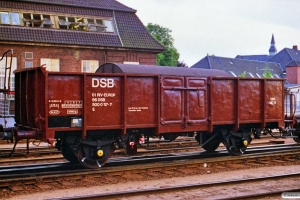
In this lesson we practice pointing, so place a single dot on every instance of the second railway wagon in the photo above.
(88, 115)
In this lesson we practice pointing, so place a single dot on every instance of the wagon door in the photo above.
(172, 100)
(183, 102)
(196, 101)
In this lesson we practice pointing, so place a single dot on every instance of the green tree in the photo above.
(267, 73)
(243, 74)
(182, 64)
(170, 56)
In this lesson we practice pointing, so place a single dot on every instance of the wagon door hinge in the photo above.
(208, 118)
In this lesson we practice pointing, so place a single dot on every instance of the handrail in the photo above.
(6, 88)
(5, 54)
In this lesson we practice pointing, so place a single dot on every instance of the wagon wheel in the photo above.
(212, 145)
(236, 145)
(93, 158)
(68, 154)
(170, 137)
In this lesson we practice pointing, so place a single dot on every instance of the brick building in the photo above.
(73, 35)
(293, 72)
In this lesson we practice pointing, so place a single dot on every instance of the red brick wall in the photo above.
(293, 74)
(70, 58)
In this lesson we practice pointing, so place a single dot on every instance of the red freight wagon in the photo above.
(91, 114)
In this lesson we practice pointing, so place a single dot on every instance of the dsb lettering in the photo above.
(103, 82)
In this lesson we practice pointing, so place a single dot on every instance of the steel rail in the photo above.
(168, 189)
(118, 161)
(48, 176)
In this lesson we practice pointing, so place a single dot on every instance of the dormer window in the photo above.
(63, 23)
(60, 22)
(37, 20)
(108, 24)
(96, 25)
(5, 18)
(10, 18)
(47, 21)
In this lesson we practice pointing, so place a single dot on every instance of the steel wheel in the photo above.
(68, 154)
(296, 140)
(212, 145)
(170, 137)
(93, 158)
(236, 145)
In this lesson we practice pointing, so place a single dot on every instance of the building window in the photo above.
(61, 22)
(37, 20)
(89, 65)
(47, 22)
(50, 64)
(109, 26)
(96, 25)
(28, 64)
(132, 63)
(15, 18)
(28, 55)
(10, 18)
(6, 107)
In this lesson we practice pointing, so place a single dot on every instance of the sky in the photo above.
(224, 28)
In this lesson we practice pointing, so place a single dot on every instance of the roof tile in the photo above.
(285, 56)
(102, 4)
(25, 34)
(238, 66)
(131, 31)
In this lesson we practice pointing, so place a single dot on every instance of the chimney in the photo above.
(295, 47)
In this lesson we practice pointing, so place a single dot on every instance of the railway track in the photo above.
(48, 176)
(288, 183)
(41, 154)
(133, 160)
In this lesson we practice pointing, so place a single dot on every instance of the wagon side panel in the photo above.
(274, 101)
(141, 102)
(223, 101)
(104, 102)
(64, 99)
(29, 96)
(251, 100)
(172, 100)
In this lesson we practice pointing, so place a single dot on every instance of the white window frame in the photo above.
(28, 64)
(109, 26)
(51, 64)
(89, 66)
(28, 55)
(131, 63)
(12, 18)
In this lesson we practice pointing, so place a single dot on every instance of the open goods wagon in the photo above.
(88, 115)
